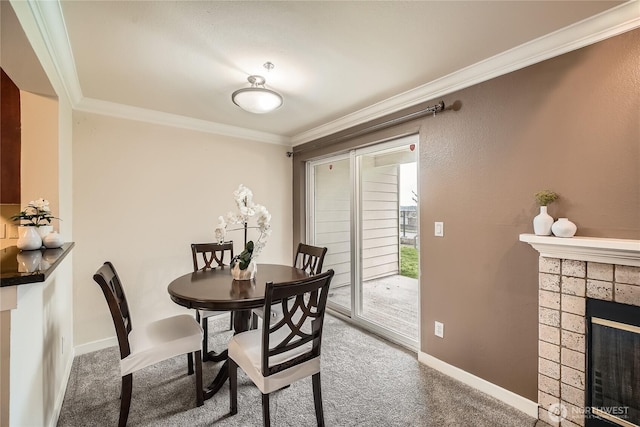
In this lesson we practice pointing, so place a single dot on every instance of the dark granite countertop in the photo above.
(22, 267)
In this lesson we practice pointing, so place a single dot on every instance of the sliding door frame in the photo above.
(353, 314)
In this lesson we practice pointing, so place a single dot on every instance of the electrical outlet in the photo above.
(439, 329)
(438, 229)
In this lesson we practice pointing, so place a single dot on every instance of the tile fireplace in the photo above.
(576, 275)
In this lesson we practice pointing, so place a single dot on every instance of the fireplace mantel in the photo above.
(594, 249)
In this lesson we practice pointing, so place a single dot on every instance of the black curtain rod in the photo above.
(433, 109)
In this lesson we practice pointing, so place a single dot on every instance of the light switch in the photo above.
(438, 229)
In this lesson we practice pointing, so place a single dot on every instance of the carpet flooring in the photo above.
(366, 381)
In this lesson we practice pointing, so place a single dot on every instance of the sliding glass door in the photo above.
(363, 207)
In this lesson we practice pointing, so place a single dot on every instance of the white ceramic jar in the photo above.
(564, 228)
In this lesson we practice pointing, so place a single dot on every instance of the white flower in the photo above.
(247, 210)
(221, 229)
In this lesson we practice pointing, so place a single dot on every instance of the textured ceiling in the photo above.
(331, 58)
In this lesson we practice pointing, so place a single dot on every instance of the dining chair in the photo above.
(308, 258)
(286, 351)
(150, 343)
(209, 256)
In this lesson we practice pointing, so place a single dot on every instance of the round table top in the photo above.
(216, 289)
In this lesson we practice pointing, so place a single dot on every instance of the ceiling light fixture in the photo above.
(257, 99)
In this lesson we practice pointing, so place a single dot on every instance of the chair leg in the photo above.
(266, 416)
(125, 399)
(205, 339)
(199, 390)
(233, 387)
(254, 321)
(317, 399)
(231, 321)
(190, 363)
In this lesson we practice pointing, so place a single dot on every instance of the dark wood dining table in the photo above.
(216, 290)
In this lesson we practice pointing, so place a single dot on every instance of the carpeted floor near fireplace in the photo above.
(366, 381)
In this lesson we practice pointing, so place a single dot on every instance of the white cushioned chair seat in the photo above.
(160, 340)
(246, 350)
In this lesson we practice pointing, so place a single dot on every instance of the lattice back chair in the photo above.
(286, 351)
(150, 343)
(308, 258)
(208, 256)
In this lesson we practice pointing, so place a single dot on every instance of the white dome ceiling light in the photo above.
(257, 99)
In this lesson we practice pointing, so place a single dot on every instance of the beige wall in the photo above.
(569, 124)
(143, 193)
(39, 151)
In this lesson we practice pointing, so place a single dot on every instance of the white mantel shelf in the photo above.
(594, 249)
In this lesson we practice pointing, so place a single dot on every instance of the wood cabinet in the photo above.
(9, 141)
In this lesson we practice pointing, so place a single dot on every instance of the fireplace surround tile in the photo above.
(549, 334)
(573, 341)
(549, 282)
(627, 274)
(598, 289)
(573, 286)
(573, 304)
(574, 270)
(549, 368)
(571, 376)
(549, 351)
(573, 359)
(572, 322)
(549, 265)
(627, 294)
(549, 299)
(549, 385)
(599, 271)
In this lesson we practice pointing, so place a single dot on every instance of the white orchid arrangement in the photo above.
(247, 210)
(37, 213)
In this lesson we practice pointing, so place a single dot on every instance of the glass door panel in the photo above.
(330, 225)
(363, 207)
(388, 289)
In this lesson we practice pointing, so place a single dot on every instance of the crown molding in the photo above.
(52, 29)
(50, 23)
(98, 106)
(607, 24)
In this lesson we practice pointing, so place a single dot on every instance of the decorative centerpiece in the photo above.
(243, 266)
(543, 221)
(35, 224)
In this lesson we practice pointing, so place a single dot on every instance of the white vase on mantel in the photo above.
(542, 223)
(564, 228)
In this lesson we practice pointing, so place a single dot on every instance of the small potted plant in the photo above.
(543, 221)
(35, 224)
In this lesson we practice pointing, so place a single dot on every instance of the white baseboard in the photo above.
(95, 345)
(510, 398)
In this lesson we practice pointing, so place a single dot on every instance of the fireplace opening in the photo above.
(613, 364)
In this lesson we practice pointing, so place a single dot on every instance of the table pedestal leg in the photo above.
(241, 320)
